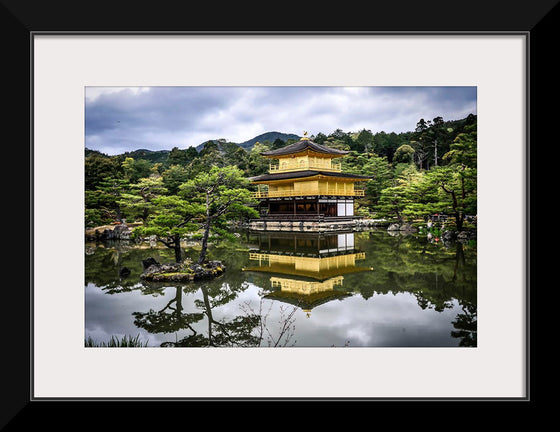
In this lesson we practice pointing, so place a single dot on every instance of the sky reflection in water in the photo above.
(408, 292)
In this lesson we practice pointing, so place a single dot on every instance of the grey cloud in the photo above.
(163, 117)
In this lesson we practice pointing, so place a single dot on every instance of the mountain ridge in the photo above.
(267, 136)
(160, 155)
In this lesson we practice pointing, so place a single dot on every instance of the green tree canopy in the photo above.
(137, 202)
(176, 157)
(174, 176)
(222, 193)
(363, 142)
(171, 219)
(99, 167)
(404, 154)
(135, 169)
(257, 163)
(464, 148)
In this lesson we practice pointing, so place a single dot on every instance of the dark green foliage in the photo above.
(158, 156)
(404, 154)
(363, 142)
(320, 138)
(271, 137)
(277, 144)
(174, 176)
(135, 169)
(177, 157)
(98, 167)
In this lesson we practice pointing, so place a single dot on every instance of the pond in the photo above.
(354, 289)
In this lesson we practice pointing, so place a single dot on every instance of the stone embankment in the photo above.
(110, 232)
(461, 236)
(312, 226)
(402, 227)
(446, 235)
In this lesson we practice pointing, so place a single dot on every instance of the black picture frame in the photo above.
(21, 19)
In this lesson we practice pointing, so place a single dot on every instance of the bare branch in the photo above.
(187, 220)
(168, 243)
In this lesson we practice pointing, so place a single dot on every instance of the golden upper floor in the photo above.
(304, 162)
(304, 155)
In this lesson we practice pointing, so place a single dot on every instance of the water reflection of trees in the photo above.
(438, 275)
(168, 319)
(435, 274)
(236, 332)
(104, 264)
(247, 329)
(465, 325)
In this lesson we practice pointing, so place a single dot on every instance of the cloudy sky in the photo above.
(119, 119)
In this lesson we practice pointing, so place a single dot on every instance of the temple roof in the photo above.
(303, 145)
(306, 173)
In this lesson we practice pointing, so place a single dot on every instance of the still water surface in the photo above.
(362, 289)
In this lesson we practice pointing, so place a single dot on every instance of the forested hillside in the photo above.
(431, 169)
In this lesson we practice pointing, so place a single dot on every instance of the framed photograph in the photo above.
(359, 337)
(247, 93)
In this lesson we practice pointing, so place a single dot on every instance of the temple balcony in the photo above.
(326, 165)
(293, 193)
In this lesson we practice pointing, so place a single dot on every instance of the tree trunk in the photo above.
(459, 219)
(398, 213)
(177, 248)
(145, 212)
(208, 313)
(202, 255)
(459, 259)
(204, 249)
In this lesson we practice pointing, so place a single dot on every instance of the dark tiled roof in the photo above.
(302, 145)
(306, 173)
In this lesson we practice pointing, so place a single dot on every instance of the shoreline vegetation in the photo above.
(115, 342)
(124, 231)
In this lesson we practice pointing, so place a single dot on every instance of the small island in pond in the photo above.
(180, 272)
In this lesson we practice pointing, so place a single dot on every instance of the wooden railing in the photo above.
(290, 193)
(285, 167)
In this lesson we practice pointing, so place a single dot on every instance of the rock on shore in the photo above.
(110, 232)
(402, 227)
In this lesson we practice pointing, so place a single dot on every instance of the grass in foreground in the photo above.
(115, 342)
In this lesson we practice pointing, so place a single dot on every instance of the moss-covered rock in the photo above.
(182, 272)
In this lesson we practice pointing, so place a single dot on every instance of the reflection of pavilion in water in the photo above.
(307, 269)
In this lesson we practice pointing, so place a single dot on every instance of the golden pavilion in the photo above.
(306, 269)
(306, 188)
